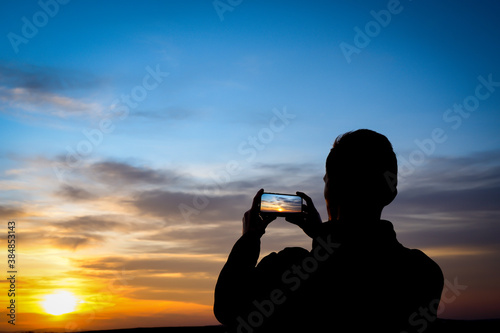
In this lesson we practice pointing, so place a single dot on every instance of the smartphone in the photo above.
(280, 204)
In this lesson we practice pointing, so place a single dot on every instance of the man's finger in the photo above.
(256, 199)
(268, 218)
(307, 198)
(297, 220)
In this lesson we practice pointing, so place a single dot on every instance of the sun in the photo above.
(59, 303)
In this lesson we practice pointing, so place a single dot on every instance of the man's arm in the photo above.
(236, 284)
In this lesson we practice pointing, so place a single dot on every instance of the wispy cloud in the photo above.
(34, 238)
(165, 204)
(74, 242)
(162, 264)
(459, 184)
(206, 239)
(452, 203)
(11, 212)
(122, 173)
(22, 99)
(47, 79)
(90, 223)
(74, 193)
(47, 91)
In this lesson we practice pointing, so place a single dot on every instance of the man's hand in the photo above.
(310, 220)
(252, 220)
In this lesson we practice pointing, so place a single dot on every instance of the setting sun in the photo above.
(59, 303)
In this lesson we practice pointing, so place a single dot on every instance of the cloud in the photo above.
(480, 169)
(181, 290)
(163, 264)
(74, 193)
(77, 232)
(451, 203)
(91, 224)
(25, 99)
(62, 240)
(210, 239)
(47, 91)
(94, 230)
(7, 212)
(74, 242)
(194, 202)
(454, 184)
(463, 231)
(218, 238)
(119, 173)
(181, 207)
(456, 201)
(46, 79)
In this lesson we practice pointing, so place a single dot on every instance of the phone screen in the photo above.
(280, 203)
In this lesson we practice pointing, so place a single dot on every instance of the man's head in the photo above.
(361, 172)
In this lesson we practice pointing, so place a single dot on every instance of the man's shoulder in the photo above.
(422, 257)
(286, 257)
(421, 265)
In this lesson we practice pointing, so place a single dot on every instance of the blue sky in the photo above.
(245, 98)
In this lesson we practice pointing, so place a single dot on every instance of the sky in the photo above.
(136, 133)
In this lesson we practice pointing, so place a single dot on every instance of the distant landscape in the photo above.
(442, 326)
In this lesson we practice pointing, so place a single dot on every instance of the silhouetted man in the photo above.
(356, 278)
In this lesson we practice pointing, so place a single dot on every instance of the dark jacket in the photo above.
(356, 278)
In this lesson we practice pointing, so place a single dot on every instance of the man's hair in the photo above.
(362, 168)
